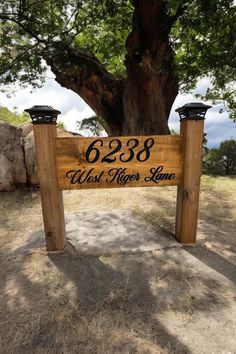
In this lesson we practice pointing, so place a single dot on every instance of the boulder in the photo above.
(6, 178)
(12, 170)
(29, 151)
(17, 155)
(26, 129)
(30, 160)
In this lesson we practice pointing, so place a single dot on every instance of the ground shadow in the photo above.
(216, 227)
(123, 293)
(124, 288)
(214, 261)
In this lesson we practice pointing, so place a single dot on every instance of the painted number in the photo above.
(117, 148)
(93, 154)
(92, 149)
(144, 154)
(131, 151)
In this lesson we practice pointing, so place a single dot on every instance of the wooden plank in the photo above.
(188, 192)
(72, 150)
(140, 161)
(51, 196)
(118, 177)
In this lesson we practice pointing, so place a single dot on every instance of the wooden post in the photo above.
(192, 128)
(44, 124)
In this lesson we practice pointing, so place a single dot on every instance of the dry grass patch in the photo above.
(155, 302)
(72, 304)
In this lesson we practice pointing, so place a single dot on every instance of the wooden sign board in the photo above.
(115, 162)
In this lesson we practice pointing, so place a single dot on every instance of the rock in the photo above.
(12, 171)
(17, 155)
(30, 160)
(26, 129)
(65, 133)
(6, 178)
(29, 150)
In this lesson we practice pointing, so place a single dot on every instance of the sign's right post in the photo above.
(192, 117)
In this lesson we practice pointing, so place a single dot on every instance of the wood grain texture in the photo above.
(188, 192)
(51, 196)
(162, 168)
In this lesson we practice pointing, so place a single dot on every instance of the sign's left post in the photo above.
(44, 124)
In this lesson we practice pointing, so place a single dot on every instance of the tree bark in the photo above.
(150, 88)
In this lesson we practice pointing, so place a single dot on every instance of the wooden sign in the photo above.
(115, 162)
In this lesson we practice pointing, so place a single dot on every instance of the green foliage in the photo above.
(61, 125)
(107, 26)
(205, 140)
(203, 39)
(221, 161)
(98, 26)
(13, 118)
(173, 132)
(94, 125)
(176, 5)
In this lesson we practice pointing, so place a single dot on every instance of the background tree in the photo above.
(94, 125)
(61, 125)
(221, 161)
(126, 59)
(173, 132)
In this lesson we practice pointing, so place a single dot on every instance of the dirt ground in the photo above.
(172, 300)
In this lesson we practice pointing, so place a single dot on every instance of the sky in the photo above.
(217, 126)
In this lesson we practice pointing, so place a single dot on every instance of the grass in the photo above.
(12, 117)
(155, 302)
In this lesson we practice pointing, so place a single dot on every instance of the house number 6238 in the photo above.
(93, 153)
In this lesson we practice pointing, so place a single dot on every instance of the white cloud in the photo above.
(51, 94)
(72, 107)
(217, 126)
(74, 115)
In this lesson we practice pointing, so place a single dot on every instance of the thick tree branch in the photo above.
(25, 27)
(82, 72)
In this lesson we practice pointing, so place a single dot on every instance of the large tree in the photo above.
(126, 59)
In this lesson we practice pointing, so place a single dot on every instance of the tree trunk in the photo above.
(150, 88)
(144, 103)
(227, 169)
